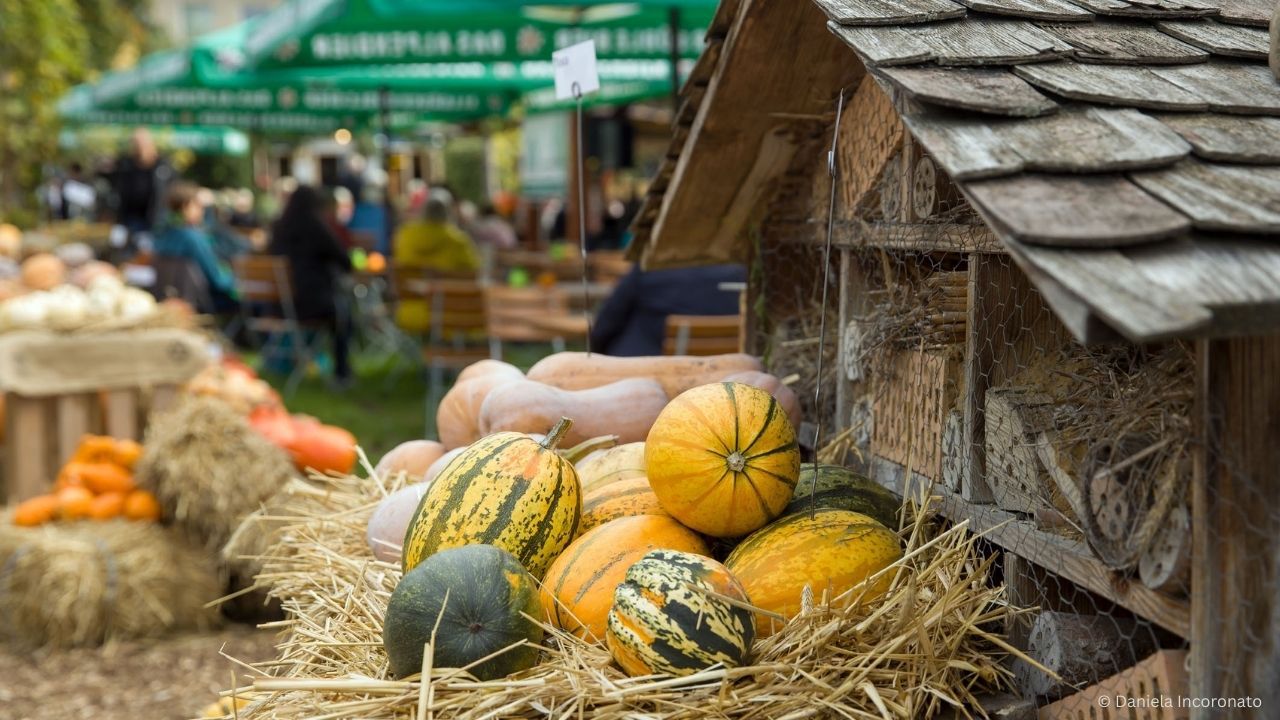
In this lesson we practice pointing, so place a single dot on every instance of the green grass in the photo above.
(385, 407)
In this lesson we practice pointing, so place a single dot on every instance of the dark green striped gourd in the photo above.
(839, 488)
(670, 617)
(477, 601)
(507, 490)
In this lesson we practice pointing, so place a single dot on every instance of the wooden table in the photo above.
(566, 326)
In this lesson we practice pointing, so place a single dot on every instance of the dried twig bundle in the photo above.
(82, 584)
(930, 643)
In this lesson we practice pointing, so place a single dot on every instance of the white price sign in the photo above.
(576, 71)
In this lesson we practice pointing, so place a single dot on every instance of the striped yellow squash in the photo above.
(625, 498)
(507, 490)
(578, 589)
(670, 616)
(723, 459)
(830, 551)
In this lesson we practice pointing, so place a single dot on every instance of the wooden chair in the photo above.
(458, 322)
(267, 311)
(608, 266)
(703, 334)
(511, 310)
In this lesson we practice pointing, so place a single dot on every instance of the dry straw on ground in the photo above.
(82, 584)
(933, 642)
(209, 469)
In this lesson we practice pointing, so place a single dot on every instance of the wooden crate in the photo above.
(915, 390)
(1162, 678)
(57, 388)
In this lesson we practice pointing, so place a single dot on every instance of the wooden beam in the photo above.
(1235, 649)
(736, 146)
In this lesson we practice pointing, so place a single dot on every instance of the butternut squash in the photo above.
(626, 408)
(786, 397)
(482, 368)
(676, 373)
(458, 417)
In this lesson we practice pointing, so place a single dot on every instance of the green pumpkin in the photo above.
(839, 488)
(489, 594)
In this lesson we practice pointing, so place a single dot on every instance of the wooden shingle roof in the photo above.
(1127, 152)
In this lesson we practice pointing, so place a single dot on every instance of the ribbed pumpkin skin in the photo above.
(623, 462)
(481, 595)
(661, 625)
(839, 488)
(625, 498)
(723, 459)
(578, 589)
(505, 490)
(830, 552)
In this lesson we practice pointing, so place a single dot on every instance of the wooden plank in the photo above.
(41, 364)
(122, 414)
(1112, 84)
(1151, 8)
(1229, 138)
(28, 470)
(1225, 86)
(705, 66)
(970, 147)
(1256, 13)
(973, 41)
(1070, 559)
(1231, 198)
(163, 397)
(1126, 44)
(889, 12)
(1059, 10)
(1219, 38)
(1064, 211)
(995, 92)
(1235, 575)
(736, 146)
(74, 413)
(1075, 314)
(870, 133)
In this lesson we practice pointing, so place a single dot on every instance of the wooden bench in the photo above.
(703, 335)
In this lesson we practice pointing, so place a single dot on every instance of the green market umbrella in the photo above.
(311, 33)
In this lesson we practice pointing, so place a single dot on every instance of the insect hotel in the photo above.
(1040, 237)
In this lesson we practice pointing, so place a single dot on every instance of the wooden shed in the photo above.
(1053, 296)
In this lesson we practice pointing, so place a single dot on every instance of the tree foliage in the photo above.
(46, 47)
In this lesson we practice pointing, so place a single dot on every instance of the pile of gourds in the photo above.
(95, 484)
(621, 546)
(46, 292)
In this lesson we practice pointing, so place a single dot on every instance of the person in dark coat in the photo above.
(633, 320)
(317, 261)
(141, 183)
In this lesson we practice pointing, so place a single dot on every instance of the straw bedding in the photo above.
(931, 643)
(209, 469)
(87, 583)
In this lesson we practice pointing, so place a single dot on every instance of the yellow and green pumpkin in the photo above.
(473, 602)
(507, 490)
(578, 589)
(830, 552)
(840, 488)
(670, 616)
(611, 465)
(723, 459)
(625, 498)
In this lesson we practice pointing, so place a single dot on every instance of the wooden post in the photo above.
(28, 471)
(74, 416)
(1235, 612)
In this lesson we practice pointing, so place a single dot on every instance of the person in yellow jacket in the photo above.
(431, 242)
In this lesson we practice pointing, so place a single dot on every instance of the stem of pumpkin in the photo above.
(736, 462)
(557, 433)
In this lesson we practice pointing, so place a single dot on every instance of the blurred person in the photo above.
(141, 182)
(633, 321)
(369, 216)
(79, 198)
(352, 175)
(183, 236)
(317, 261)
(492, 230)
(432, 242)
(243, 211)
(331, 210)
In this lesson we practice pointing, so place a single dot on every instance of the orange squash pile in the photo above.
(95, 484)
(312, 444)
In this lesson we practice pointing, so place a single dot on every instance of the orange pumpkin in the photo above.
(74, 503)
(102, 478)
(412, 458)
(723, 459)
(43, 272)
(95, 449)
(107, 506)
(36, 511)
(324, 448)
(127, 453)
(625, 498)
(275, 424)
(141, 505)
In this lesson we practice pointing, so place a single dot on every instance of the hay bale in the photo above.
(931, 642)
(209, 469)
(82, 584)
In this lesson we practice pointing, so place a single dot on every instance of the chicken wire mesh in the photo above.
(944, 367)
